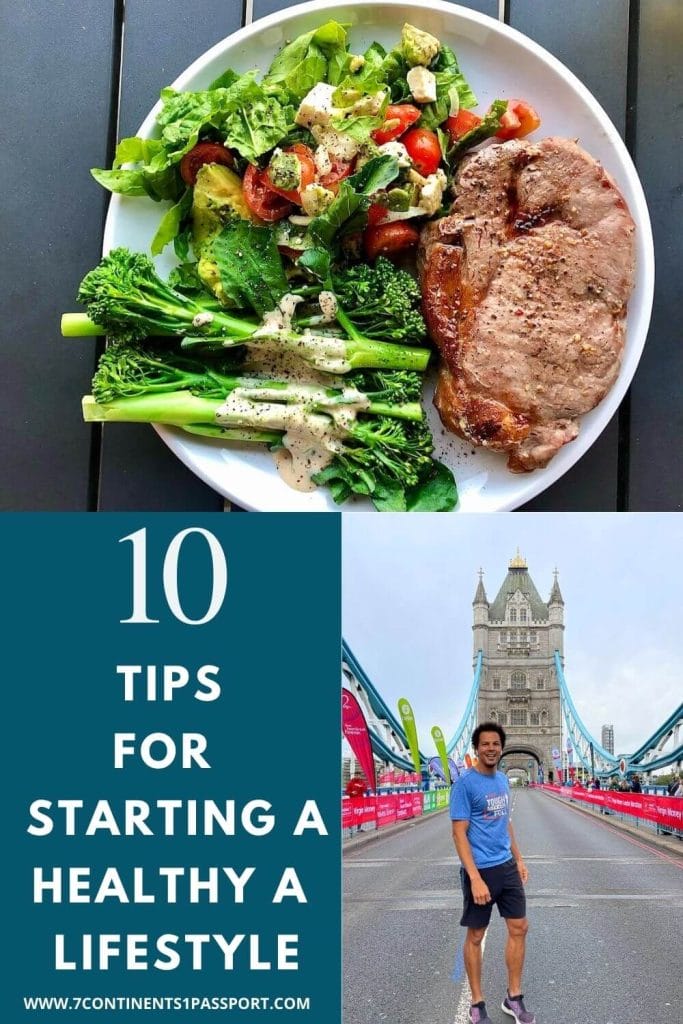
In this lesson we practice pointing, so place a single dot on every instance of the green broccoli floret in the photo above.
(382, 301)
(127, 299)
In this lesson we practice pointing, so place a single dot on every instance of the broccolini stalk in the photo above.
(372, 429)
(129, 301)
(168, 387)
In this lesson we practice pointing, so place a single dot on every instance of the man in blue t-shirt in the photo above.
(493, 870)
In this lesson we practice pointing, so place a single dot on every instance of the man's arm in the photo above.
(480, 890)
(521, 866)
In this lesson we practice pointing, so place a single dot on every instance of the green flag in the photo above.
(440, 744)
(408, 719)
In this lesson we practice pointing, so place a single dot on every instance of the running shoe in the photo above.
(478, 1014)
(516, 1008)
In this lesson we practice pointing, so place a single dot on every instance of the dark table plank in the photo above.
(656, 452)
(591, 38)
(54, 108)
(137, 470)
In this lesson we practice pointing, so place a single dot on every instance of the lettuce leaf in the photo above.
(257, 127)
(310, 58)
(250, 266)
(487, 127)
(448, 77)
(170, 223)
(347, 212)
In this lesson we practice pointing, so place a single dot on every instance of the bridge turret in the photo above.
(556, 617)
(480, 618)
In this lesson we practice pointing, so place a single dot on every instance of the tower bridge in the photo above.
(519, 682)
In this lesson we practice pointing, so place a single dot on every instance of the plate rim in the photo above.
(539, 480)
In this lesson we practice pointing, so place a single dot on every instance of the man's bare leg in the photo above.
(514, 952)
(472, 957)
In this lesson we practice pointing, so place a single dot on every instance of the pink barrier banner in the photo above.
(356, 810)
(386, 809)
(387, 806)
(666, 811)
(405, 806)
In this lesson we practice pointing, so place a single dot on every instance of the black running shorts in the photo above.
(507, 892)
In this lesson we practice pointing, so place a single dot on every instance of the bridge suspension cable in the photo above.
(460, 742)
(382, 713)
(599, 761)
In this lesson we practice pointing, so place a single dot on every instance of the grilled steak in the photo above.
(525, 284)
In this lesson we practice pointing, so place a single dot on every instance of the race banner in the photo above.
(387, 807)
(355, 730)
(440, 744)
(664, 811)
(455, 771)
(408, 719)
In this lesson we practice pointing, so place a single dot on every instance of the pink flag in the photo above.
(355, 729)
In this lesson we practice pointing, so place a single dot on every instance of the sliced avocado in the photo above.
(218, 197)
(211, 279)
(398, 199)
(418, 47)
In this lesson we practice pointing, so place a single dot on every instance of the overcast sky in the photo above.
(409, 581)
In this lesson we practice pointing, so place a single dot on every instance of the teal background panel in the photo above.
(273, 734)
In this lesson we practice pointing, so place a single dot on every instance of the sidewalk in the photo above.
(646, 835)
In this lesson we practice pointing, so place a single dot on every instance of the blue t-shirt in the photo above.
(484, 801)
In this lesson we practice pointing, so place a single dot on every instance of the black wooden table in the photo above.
(73, 79)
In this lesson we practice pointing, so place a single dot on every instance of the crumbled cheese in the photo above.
(431, 192)
(328, 306)
(368, 106)
(338, 145)
(422, 84)
(315, 199)
(397, 149)
(356, 63)
(317, 107)
(202, 319)
(323, 163)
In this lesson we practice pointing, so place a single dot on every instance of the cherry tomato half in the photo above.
(261, 199)
(203, 153)
(423, 149)
(518, 121)
(386, 239)
(376, 214)
(461, 123)
(340, 169)
(397, 119)
(306, 173)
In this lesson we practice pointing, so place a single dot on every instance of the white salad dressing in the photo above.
(309, 437)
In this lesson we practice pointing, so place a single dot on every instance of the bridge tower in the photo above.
(518, 633)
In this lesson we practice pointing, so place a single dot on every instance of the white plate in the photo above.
(497, 61)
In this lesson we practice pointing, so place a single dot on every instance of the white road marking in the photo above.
(465, 1001)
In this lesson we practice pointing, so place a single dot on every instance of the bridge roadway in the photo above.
(605, 910)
